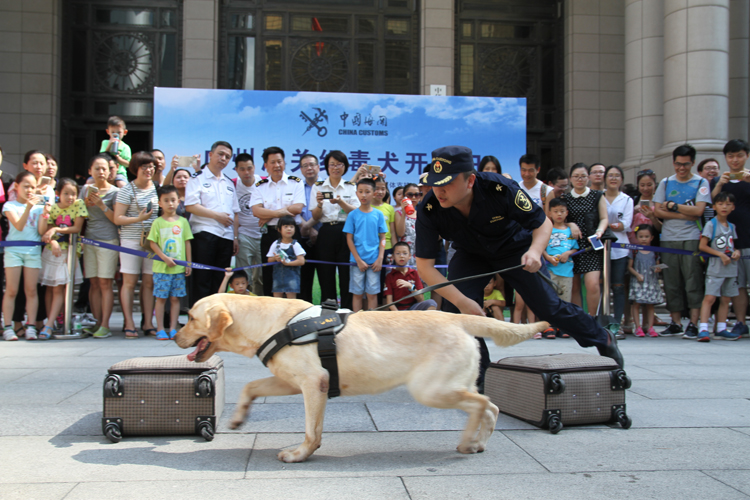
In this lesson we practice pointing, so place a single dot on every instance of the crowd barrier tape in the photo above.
(630, 246)
(193, 265)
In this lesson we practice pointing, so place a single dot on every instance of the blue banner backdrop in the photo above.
(396, 132)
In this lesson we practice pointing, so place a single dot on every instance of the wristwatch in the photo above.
(674, 207)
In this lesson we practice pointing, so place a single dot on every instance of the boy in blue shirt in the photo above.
(559, 249)
(366, 229)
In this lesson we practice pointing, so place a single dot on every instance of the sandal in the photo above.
(162, 335)
(130, 334)
(151, 332)
(45, 334)
(172, 334)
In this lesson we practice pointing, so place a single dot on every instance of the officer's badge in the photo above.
(428, 206)
(523, 202)
(437, 167)
(499, 187)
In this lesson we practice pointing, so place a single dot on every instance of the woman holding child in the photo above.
(336, 199)
(136, 208)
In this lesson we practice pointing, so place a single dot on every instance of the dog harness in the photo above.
(316, 324)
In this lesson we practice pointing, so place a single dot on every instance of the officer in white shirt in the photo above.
(211, 199)
(246, 222)
(275, 196)
(336, 198)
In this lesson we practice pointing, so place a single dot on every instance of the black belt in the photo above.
(337, 223)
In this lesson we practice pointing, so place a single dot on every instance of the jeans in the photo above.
(619, 269)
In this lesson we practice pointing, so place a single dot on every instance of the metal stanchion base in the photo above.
(69, 336)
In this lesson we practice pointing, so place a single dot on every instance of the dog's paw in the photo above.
(468, 449)
(236, 424)
(291, 456)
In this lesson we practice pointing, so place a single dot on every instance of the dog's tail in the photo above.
(503, 333)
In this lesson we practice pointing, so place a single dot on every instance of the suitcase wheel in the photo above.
(555, 424)
(206, 430)
(556, 384)
(113, 432)
(623, 419)
(624, 380)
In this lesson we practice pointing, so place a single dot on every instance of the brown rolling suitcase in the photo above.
(559, 389)
(163, 395)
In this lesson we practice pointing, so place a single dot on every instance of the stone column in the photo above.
(644, 85)
(437, 39)
(200, 28)
(696, 78)
(739, 59)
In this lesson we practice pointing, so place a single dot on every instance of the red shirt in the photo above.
(391, 288)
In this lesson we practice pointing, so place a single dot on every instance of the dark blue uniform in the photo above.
(494, 237)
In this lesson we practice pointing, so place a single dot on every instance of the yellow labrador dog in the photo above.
(433, 353)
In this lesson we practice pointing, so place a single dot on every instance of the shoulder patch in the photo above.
(294, 178)
(522, 201)
(350, 183)
(262, 181)
(319, 183)
(197, 173)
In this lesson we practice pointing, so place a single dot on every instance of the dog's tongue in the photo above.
(201, 345)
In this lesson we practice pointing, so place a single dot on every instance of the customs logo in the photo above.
(523, 202)
(316, 121)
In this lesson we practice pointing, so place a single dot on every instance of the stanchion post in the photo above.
(68, 332)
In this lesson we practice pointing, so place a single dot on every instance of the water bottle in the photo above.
(77, 324)
(409, 208)
(114, 146)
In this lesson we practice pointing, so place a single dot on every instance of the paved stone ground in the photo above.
(690, 436)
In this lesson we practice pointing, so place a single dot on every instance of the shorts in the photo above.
(169, 285)
(722, 287)
(565, 284)
(17, 259)
(99, 262)
(132, 264)
(357, 279)
(286, 279)
(55, 269)
(743, 269)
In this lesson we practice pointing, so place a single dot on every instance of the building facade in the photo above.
(611, 81)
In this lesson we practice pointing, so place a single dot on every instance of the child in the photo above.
(25, 216)
(380, 202)
(66, 217)
(286, 277)
(117, 130)
(237, 280)
(559, 249)
(644, 283)
(365, 235)
(721, 276)
(170, 237)
(494, 302)
(402, 281)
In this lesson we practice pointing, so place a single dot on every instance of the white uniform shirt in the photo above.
(332, 212)
(214, 193)
(248, 222)
(277, 195)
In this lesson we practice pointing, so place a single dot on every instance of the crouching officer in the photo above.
(493, 226)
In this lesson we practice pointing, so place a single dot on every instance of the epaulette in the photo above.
(292, 177)
(319, 183)
(228, 178)
(350, 183)
(197, 173)
(262, 181)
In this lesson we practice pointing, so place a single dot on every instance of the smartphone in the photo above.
(93, 189)
(737, 176)
(373, 169)
(149, 206)
(644, 203)
(185, 161)
(595, 242)
(43, 200)
(327, 195)
(44, 181)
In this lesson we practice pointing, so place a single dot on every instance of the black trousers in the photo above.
(266, 240)
(211, 250)
(546, 305)
(332, 247)
(307, 273)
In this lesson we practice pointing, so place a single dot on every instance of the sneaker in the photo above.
(639, 332)
(9, 334)
(741, 329)
(102, 333)
(31, 332)
(652, 333)
(672, 330)
(704, 336)
(691, 332)
(88, 319)
(726, 335)
(537, 335)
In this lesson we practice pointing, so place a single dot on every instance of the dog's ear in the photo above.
(218, 319)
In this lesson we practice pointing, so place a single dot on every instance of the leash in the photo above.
(459, 280)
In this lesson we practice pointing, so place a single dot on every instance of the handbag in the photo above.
(144, 241)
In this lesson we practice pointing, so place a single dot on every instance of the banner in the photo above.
(396, 132)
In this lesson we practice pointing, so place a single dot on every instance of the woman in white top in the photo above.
(336, 198)
(620, 214)
(133, 217)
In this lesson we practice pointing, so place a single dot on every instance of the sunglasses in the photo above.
(645, 172)
(413, 195)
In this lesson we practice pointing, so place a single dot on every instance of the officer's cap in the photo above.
(447, 164)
